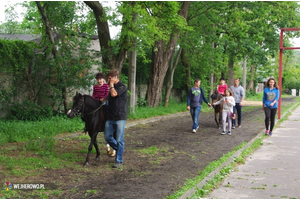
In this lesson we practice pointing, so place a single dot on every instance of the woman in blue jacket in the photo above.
(270, 99)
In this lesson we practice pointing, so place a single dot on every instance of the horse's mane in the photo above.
(215, 96)
(91, 101)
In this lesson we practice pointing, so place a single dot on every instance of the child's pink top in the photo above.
(222, 88)
(100, 92)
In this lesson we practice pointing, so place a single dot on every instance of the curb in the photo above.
(191, 191)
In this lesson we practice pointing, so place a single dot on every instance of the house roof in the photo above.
(24, 37)
(37, 37)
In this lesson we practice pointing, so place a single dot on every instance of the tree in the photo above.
(170, 75)
(69, 53)
(162, 52)
(111, 59)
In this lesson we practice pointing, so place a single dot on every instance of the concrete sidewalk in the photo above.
(272, 171)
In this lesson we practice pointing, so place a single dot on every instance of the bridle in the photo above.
(82, 105)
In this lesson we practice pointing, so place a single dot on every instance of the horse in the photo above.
(218, 108)
(93, 113)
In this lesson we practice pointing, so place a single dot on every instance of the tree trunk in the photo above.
(131, 79)
(160, 59)
(230, 71)
(109, 59)
(251, 82)
(54, 49)
(187, 69)
(157, 74)
(170, 77)
(212, 75)
(244, 73)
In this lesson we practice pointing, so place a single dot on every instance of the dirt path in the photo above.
(159, 156)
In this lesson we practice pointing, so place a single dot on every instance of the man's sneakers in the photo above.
(117, 165)
(239, 126)
(194, 130)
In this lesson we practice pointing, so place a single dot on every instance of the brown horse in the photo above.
(93, 113)
(218, 108)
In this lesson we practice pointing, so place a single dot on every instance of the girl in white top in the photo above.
(228, 103)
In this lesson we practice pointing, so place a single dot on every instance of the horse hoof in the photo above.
(97, 158)
(86, 164)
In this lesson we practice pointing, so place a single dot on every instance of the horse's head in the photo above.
(78, 101)
(216, 97)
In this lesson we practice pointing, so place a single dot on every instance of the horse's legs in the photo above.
(216, 119)
(92, 136)
(96, 147)
(220, 119)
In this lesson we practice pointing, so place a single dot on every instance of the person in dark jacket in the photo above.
(116, 115)
(194, 102)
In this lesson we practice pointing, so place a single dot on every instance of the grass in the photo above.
(190, 183)
(146, 112)
(38, 150)
(23, 131)
(218, 178)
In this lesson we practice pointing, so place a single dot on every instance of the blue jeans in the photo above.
(118, 143)
(195, 111)
(238, 108)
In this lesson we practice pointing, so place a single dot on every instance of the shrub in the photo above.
(141, 102)
(29, 111)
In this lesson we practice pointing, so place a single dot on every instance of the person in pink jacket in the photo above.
(101, 89)
(222, 87)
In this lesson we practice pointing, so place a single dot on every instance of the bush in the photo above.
(141, 102)
(29, 111)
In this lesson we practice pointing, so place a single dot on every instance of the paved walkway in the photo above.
(271, 172)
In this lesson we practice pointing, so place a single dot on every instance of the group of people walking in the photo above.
(232, 100)
(114, 95)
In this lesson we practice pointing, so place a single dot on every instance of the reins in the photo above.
(82, 113)
(92, 111)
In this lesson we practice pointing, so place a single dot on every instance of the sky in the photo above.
(113, 31)
(5, 4)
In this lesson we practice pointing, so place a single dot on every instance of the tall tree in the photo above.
(161, 54)
(114, 58)
(71, 61)
(170, 75)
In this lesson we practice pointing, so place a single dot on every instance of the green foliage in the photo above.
(41, 144)
(29, 111)
(292, 83)
(16, 55)
(141, 102)
(23, 131)
(235, 29)
(37, 74)
(254, 96)
(146, 112)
